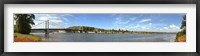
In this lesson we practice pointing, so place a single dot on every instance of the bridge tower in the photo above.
(47, 29)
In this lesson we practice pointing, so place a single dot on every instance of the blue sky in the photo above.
(132, 22)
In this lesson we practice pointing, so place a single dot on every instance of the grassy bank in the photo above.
(181, 36)
(26, 38)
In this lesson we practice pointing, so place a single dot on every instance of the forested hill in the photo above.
(100, 30)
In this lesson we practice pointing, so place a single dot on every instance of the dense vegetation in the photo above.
(100, 30)
(23, 23)
(23, 28)
(181, 36)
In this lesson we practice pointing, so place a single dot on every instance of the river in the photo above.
(100, 37)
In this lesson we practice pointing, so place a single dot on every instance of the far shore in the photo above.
(115, 33)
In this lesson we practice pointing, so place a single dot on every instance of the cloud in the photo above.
(120, 21)
(165, 28)
(57, 20)
(150, 27)
(172, 26)
(144, 20)
(150, 23)
(146, 23)
(144, 28)
(43, 18)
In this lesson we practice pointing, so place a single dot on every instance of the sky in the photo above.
(131, 22)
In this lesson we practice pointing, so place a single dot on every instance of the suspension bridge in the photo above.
(50, 27)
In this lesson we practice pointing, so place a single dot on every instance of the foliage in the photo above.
(24, 22)
(88, 28)
(100, 30)
(181, 36)
(183, 22)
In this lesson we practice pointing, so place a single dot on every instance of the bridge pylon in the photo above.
(47, 29)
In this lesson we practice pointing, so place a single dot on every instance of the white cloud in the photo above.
(119, 21)
(160, 29)
(43, 18)
(173, 26)
(170, 28)
(56, 21)
(150, 23)
(143, 27)
(165, 28)
(135, 24)
(123, 20)
(144, 20)
(153, 28)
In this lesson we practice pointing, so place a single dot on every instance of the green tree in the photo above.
(180, 36)
(183, 24)
(119, 30)
(24, 22)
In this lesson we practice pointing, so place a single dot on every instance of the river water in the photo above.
(95, 37)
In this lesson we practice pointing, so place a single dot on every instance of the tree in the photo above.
(183, 22)
(181, 36)
(183, 26)
(119, 30)
(24, 22)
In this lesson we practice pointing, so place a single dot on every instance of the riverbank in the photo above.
(26, 38)
(181, 38)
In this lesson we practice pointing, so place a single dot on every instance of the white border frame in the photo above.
(189, 46)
